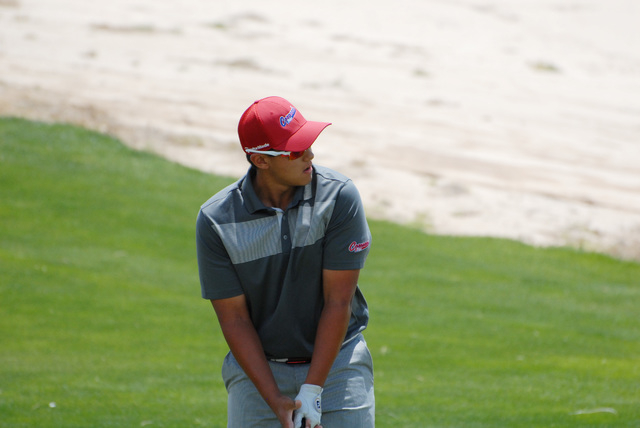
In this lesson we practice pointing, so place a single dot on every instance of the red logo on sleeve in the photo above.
(354, 247)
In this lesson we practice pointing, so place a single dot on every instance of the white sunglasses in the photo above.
(291, 155)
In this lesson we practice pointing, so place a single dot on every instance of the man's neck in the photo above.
(272, 194)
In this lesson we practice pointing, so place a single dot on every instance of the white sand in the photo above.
(516, 119)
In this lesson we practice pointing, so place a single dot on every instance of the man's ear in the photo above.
(259, 161)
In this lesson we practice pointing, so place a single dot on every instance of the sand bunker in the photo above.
(517, 120)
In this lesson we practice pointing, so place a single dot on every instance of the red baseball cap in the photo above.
(273, 123)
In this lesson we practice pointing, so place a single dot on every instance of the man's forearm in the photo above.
(332, 329)
(245, 345)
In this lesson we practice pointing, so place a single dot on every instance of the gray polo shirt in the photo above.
(275, 258)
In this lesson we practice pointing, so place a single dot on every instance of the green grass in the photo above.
(100, 311)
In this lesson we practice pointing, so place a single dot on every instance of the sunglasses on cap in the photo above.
(290, 155)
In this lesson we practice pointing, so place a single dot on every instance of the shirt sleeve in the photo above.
(347, 238)
(218, 278)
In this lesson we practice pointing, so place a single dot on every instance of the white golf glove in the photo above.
(311, 408)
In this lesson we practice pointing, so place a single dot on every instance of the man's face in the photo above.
(296, 172)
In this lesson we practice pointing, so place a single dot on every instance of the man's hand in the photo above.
(310, 406)
(284, 407)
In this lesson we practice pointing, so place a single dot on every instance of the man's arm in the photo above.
(339, 286)
(243, 340)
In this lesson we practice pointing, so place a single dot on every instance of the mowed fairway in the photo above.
(102, 324)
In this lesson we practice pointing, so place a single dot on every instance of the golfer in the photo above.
(279, 254)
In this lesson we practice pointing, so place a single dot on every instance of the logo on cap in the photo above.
(285, 120)
(263, 146)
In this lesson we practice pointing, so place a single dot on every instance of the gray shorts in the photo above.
(347, 400)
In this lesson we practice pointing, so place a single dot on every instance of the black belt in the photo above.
(291, 360)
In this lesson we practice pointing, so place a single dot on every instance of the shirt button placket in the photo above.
(286, 242)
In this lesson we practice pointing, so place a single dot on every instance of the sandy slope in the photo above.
(499, 117)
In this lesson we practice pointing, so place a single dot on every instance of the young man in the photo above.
(279, 254)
